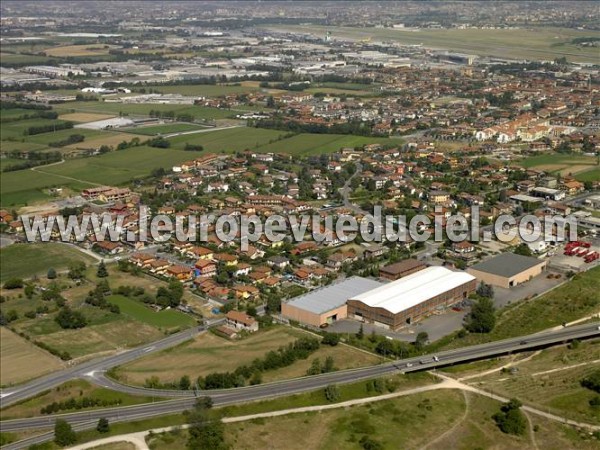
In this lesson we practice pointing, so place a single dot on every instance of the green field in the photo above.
(134, 109)
(315, 144)
(27, 260)
(204, 90)
(588, 175)
(164, 129)
(142, 313)
(120, 166)
(26, 186)
(557, 158)
(230, 140)
(532, 43)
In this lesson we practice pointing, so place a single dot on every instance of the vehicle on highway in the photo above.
(436, 359)
(409, 364)
(522, 342)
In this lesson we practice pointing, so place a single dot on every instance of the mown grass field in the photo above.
(141, 313)
(27, 260)
(143, 109)
(229, 140)
(543, 43)
(209, 353)
(20, 360)
(166, 128)
(315, 144)
(205, 90)
(588, 175)
(556, 161)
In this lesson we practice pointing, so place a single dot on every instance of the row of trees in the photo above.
(282, 357)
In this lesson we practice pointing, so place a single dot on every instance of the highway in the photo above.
(22, 392)
(298, 385)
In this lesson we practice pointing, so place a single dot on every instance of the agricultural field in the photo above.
(531, 43)
(561, 164)
(85, 117)
(141, 313)
(305, 144)
(110, 138)
(120, 166)
(209, 353)
(163, 129)
(229, 140)
(588, 175)
(24, 187)
(27, 260)
(21, 360)
(78, 50)
(205, 90)
(143, 109)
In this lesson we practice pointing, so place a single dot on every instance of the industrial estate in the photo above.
(474, 123)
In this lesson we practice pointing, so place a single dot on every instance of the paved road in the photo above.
(346, 189)
(11, 396)
(288, 387)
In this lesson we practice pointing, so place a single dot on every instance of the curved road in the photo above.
(13, 395)
(288, 387)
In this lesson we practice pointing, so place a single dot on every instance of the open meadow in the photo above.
(27, 260)
(551, 380)
(209, 353)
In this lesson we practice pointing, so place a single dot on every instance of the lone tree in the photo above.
(102, 272)
(483, 316)
(63, 433)
(103, 426)
(510, 419)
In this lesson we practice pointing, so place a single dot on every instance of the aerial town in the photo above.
(462, 140)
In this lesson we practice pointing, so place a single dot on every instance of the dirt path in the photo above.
(455, 426)
(512, 363)
(138, 438)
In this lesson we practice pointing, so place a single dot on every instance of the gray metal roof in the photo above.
(507, 264)
(333, 296)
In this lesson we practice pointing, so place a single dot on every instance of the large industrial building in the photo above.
(411, 298)
(390, 305)
(507, 270)
(327, 304)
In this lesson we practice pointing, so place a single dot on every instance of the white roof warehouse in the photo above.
(410, 298)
